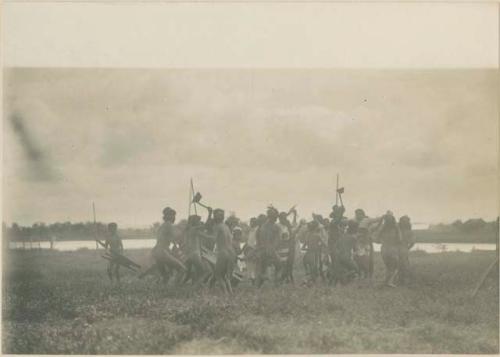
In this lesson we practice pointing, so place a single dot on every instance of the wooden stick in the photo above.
(190, 202)
(107, 257)
(483, 277)
(100, 243)
(121, 258)
(95, 228)
(192, 195)
(202, 205)
(337, 191)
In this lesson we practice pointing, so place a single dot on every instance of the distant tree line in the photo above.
(88, 230)
(59, 231)
(66, 231)
(470, 226)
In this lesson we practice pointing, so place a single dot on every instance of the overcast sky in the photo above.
(422, 143)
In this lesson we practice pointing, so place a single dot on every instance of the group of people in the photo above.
(336, 249)
(345, 246)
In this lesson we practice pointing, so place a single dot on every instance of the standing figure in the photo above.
(390, 237)
(323, 232)
(287, 245)
(368, 226)
(114, 245)
(344, 266)
(249, 249)
(362, 249)
(226, 256)
(197, 269)
(268, 237)
(252, 234)
(165, 261)
(301, 232)
(407, 242)
(313, 245)
(335, 231)
(237, 241)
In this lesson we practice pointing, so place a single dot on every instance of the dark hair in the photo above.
(389, 220)
(360, 211)
(193, 219)
(404, 223)
(168, 211)
(271, 211)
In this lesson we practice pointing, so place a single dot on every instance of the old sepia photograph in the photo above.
(249, 209)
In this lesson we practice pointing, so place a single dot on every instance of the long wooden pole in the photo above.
(490, 268)
(497, 234)
(192, 195)
(190, 201)
(337, 192)
(483, 277)
(95, 228)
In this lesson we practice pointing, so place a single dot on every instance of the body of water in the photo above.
(66, 246)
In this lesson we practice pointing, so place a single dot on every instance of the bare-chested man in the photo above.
(407, 241)
(362, 250)
(161, 252)
(344, 266)
(390, 237)
(226, 257)
(367, 227)
(196, 267)
(335, 231)
(268, 237)
(249, 249)
(313, 246)
(114, 245)
(288, 244)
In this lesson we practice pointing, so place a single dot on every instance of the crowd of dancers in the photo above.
(224, 251)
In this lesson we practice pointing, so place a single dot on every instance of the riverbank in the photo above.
(61, 302)
(133, 244)
(147, 240)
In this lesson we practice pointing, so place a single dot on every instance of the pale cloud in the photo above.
(412, 141)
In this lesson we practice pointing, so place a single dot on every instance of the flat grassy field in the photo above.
(62, 303)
